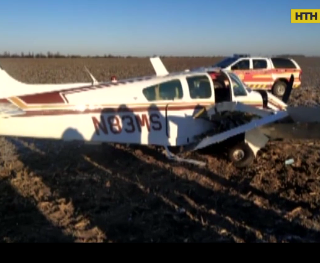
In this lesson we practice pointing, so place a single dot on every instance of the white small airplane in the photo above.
(189, 110)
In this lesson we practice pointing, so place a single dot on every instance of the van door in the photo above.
(262, 74)
(241, 67)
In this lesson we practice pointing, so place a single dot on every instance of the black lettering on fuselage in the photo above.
(130, 123)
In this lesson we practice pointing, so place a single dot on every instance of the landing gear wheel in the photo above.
(279, 88)
(241, 155)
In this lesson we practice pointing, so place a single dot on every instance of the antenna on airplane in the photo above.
(94, 81)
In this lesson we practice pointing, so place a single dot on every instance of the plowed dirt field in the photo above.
(68, 192)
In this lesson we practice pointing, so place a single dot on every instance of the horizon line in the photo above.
(49, 54)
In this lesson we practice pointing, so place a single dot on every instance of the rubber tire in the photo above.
(248, 158)
(275, 90)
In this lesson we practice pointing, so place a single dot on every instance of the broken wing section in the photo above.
(230, 119)
(219, 110)
(233, 118)
(253, 124)
(303, 123)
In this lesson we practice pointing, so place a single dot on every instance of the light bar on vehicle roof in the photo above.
(241, 55)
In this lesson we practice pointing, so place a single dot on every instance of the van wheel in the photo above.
(279, 88)
(241, 155)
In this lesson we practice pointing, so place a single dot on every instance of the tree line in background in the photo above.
(50, 55)
(58, 55)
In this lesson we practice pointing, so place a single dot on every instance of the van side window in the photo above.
(199, 87)
(259, 63)
(282, 63)
(170, 90)
(243, 64)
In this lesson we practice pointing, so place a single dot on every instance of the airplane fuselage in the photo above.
(149, 110)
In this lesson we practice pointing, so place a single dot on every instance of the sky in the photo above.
(157, 27)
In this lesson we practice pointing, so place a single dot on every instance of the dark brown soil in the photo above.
(69, 192)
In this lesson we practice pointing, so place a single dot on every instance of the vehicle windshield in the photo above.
(225, 63)
(239, 89)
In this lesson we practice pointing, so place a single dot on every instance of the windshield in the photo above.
(238, 87)
(225, 63)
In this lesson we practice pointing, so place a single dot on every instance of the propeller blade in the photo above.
(286, 95)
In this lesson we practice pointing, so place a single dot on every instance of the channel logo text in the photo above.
(305, 16)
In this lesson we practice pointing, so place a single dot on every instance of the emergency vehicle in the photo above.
(271, 74)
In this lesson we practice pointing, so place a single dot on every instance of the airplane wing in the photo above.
(237, 118)
(226, 111)
(304, 123)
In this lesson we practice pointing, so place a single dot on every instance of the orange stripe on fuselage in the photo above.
(133, 109)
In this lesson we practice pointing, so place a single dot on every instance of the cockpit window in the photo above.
(171, 90)
(238, 87)
(199, 87)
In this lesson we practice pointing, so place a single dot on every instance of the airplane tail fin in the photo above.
(8, 87)
(8, 84)
(158, 66)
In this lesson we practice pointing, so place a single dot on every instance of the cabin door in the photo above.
(181, 127)
(177, 119)
(172, 118)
